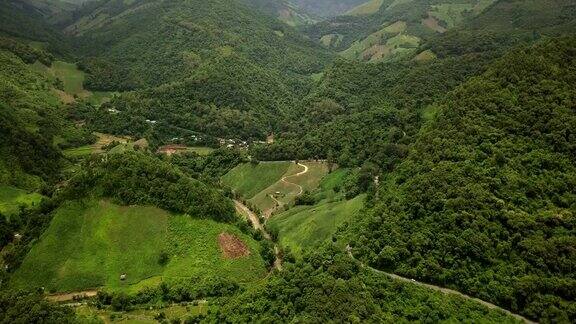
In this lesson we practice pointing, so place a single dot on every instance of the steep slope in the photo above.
(387, 29)
(284, 11)
(327, 8)
(151, 42)
(29, 120)
(25, 21)
(485, 201)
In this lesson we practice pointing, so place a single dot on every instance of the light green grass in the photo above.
(425, 56)
(397, 3)
(389, 42)
(90, 244)
(367, 8)
(99, 97)
(306, 227)
(201, 150)
(79, 151)
(331, 40)
(451, 13)
(286, 192)
(73, 80)
(70, 75)
(248, 179)
(12, 198)
(142, 315)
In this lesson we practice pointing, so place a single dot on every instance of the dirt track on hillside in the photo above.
(62, 297)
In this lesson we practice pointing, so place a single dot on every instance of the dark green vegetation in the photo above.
(90, 244)
(153, 49)
(135, 178)
(28, 307)
(327, 8)
(449, 158)
(485, 201)
(329, 286)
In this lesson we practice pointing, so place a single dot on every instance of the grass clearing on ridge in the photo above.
(90, 244)
(12, 198)
(248, 179)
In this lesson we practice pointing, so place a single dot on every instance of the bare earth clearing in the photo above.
(232, 247)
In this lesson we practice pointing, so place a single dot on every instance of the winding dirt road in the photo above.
(443, 290)
(279, 204)
(300, 189)
(255, 220)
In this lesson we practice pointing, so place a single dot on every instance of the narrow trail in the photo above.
(300, 189)
(443, 290)
(255, 220)
(280, 204)
(62, 297)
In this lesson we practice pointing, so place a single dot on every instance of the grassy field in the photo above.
(12, 198)
(367, 8)
(90, 314)
(303, 227)
(73, 81)
(90, 244)
(79, 151)
(287, 192)
(103, 140)
(201, 150)
(389, 42)
(451, 13)
(248, 179)
(72, 78)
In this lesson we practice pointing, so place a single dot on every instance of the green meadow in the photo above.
(89, 244)
(248, 179)
(12, 198)
(305, 227)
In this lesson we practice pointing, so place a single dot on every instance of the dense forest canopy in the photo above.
(485, 199)
(436, 137)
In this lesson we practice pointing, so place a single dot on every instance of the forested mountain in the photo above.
(286, 11)
(485, 199)
(148, 43)
(288, 160)
(29, 119)
(25, 21)
(327, 8)
(392, 29)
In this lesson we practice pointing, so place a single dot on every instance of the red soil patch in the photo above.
(172, 149)
(232, 247)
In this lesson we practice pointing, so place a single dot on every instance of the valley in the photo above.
(251, 161)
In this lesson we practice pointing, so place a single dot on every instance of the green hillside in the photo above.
(29, 118)
(142, 48)
(248, 179)
(90, 244)
(287, 161)
(327, 8)
(12, 198)
(484, 201)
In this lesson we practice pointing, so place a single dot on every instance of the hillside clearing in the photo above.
(11, 198)
(248, 179)
(90, 244)
(367, 8)
(293, 183)
(306, 227)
